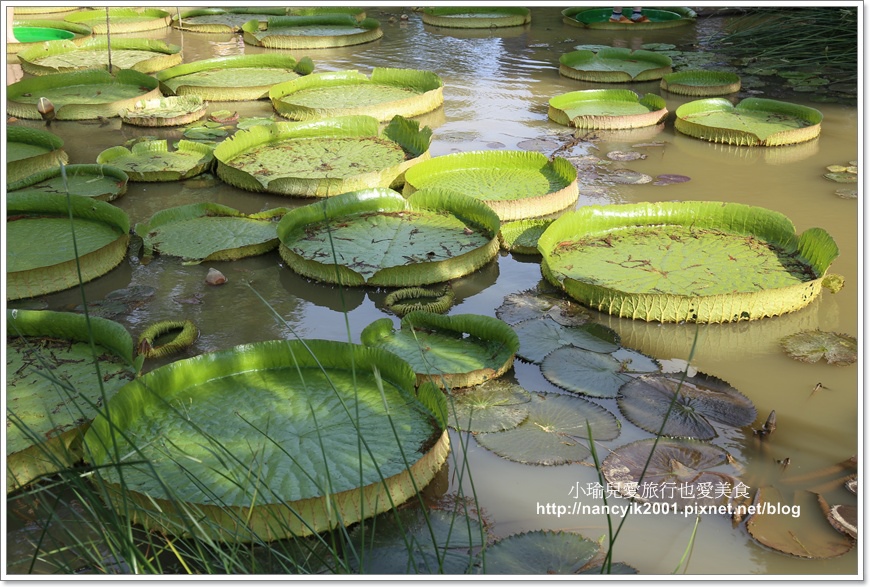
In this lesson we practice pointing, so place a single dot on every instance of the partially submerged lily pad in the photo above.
(615, 65)
(690, 403)
(209, 232)
(590, 373)
(516, 184)
(701, 83)
(752, 122)
(460, 350)
(406, 92)
(223, 20)
(153, 161)
(540, 552)
(121, 20)
(311, 32)
(377, 237)
(476, 17)
(554, 433)
(809, 346)
(32, 154)
(171, 111)
(686, 261)
(143, 55)
(100, 182)
(490, 407)
(540, 337)
(607, 109)
(525, 305)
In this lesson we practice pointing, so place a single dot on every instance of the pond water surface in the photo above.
(497, 86)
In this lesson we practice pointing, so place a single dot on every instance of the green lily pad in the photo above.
(411, 299)
(693, 402)
(143, 55)
(490, 407)
(519, 307)
(752, 122)
(692, 261)
(809, 346)
(171, 111)
(407, 92)
(32, 32)
(204, 133)
(476, 17)
(541, 552)
(222, 20)
(461, 350)
(599, 18)
(121, 20)
(100, 182)
(607, 109)
(249, 121)
(288, 464)
(554, 433)
(209, 232)
(589, 373)
(516, 184)
(153, 161)
(377, 237)
(521, 236)
(50, 393)
(615, 65)
(842, 177)
(540, 337)
(319, 31)
(701, 82)
(32, 154)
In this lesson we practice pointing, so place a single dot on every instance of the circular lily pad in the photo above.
(377, 237)
(153, 161)
(670, 178)
(540, 337)
(43, 347)
(686, 261)
(32, 154)
(554, 433)
(33, 32)
(322, 158)
(311, 32)
(810, 346)
(100, 182)
(490, 407)
(209, 232)
(681, 472)
(171, 111)
(80, 95)
(454, 351)
(516, 184)
(519, 307)
(701, 83)
(842, 177)
(41, 256)
(222, 20)
(541, 552)
(143, 55)
(590, 373)
(195, 425)
(752, 122)
(599, 18)
(407, 92)
(690, 405)
(615, 65)
(476, 17)
(628, 177)
(121, 20)
(607, 109)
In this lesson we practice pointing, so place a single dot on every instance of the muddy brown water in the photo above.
(497, 84)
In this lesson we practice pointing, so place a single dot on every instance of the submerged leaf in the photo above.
(582, 371)
(519, 307)
(490, 407)
(540, 337)
(811, 345)
(541, 552)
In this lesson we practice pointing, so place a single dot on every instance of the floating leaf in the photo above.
(539, 338)
(811, 345)
(668, 178)
(541, 552)
(555, 432)
(529, 304)
(692, 402)
(490, 407)
(846, 194)
(628, 177)
(842, 177)
(586, 372)
(625, 155)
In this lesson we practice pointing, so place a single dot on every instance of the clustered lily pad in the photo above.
(170, 111)
(100, 182)
(596, 374)
(541, 552)
(540, 337)
(32, 154)
(493, 406)
(525, 305)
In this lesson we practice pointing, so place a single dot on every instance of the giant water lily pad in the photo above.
(121, 20)
(810, 346)
(614, 65)
(311, 32)
(153, 161)
(142, 55)
(801, 531)
(33, 32)
(607, 109)
(516, 184)
(476, 17)
(80, 95)
(681, 473)
(690, 403)
(495, 405)
(410, 299)
(32, 154)
(541, 552)
(590, 373)
(209, 232)
(701, 82)
(554, 433)
(460, 350)
(100, 182)
(51, 387)
(659, 18)
(686, 261)
(262, 441)
(222, 20)
(525, 305)
(171, 111)
(752, 122)
(323, 157)
(540, 337)
(521, 236)
(234, 78)
(407, 92)
(41, 256)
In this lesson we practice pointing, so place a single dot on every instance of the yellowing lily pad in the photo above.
(607, 109)
(810, 346)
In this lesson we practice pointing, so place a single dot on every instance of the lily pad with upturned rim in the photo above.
(389, 91)
(311, 32)
(476, 17)
(540, 337)
(153, 161)
(607, 109)
(209, 232)
(752, 122)
(539, 552)
(144, 55)
(490, 407)
(599, 18)
(100, 182)
(222, 20)
(701, 83)
(32, 154)
(810, 346)
(170, 111)
(516, 184)
(461, 350)
(196, 426)
(521, 236)
(691, 402)
(615, 65)
(554, 433)
(694, 261)
(62, 29)
(411, 299)
(121, 20)
(590, 373)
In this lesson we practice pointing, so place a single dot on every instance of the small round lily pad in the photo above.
(540, 552)
(589, 373)
(525, 305)
(809, 346)
(540, 337)
(490, 407)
